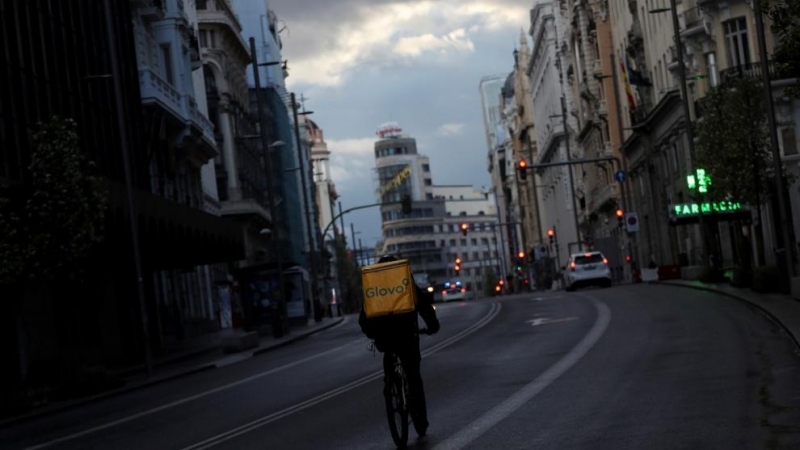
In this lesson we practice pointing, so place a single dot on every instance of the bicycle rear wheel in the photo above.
(396, 395)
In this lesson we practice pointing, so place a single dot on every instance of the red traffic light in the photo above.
(628, 258)
(521, 255)
(522, 164)
(620, 212)
(458, 261)
(550, 232)
(501, 282)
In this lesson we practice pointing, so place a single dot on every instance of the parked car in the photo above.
(587, 269)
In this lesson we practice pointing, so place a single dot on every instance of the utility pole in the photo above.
(273, 210)
(315, 306)
(123, 136)
(781, 218)
(565, 126)
(687, 117)
(624, 161)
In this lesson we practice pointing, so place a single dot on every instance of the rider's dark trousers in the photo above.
(410, 359)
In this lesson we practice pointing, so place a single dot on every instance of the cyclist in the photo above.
(400, 335)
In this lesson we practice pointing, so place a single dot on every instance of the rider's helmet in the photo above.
(388, 258)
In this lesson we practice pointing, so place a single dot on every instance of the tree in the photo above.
(733, 148)
(785, 17)
(50, 228)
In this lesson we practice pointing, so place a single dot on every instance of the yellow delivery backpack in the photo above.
(388, 289)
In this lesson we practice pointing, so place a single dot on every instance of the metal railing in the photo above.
(752, 70)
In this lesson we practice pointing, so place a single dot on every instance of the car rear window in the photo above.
(591, 259)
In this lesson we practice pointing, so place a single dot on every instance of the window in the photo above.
(201, 4)
(203, 39)
(463, 242)
(166, 61)
(428, 182)
(736, 44)
(426, 167)
(474, 241)
(452, 242)
(212, 35)
(789, 141)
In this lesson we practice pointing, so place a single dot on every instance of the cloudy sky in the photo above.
(360, 63)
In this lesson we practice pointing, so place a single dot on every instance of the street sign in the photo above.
(621, 176)
(632, 222)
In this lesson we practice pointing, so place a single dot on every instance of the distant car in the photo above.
(587, 269)
(454, 293)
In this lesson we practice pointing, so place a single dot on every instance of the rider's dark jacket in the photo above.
(400, 331)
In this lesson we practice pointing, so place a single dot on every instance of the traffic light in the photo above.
(551, 233)
(501, 282)
(521, 255)
(628, 258)
(406, 204)
(522, 167)
(464, 228)
(620, 217)
(457, 266)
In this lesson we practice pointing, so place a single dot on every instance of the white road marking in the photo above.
(491, 418)
(186, 400)
(275, 416)
(255, 424)
(545, 320)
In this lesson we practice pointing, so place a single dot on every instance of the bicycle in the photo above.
(395, 392)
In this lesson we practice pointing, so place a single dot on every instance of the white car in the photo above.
(454, 293)
(587, 269)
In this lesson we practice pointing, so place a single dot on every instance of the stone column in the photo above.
(229, 150)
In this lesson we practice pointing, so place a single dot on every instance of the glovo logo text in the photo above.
(380, 291)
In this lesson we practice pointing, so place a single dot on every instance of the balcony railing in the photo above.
(752, 70)
(692, 19)
(152, 9)
(155, 89)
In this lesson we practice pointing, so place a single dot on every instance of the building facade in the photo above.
(561, 189)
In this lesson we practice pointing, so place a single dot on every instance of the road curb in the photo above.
(151, 382)
(773, 317)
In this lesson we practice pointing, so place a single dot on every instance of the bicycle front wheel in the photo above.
(397, 408)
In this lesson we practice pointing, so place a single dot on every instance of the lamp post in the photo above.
(781, 216)
(687, 117)
(273, 211)
(131, 209)
(315, 307)
(626, 201)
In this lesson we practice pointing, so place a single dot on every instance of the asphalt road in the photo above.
(644, 366)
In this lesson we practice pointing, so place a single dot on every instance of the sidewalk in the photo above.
(783, 309)
(186, 358)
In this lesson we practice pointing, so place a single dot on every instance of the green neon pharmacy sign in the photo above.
(694, 209)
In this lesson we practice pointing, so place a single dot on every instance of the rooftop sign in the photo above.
(389, 130)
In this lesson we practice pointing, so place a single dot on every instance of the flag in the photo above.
(636, 77)
(628, 91)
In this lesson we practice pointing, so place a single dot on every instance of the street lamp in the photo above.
(309, 220)
(687, 117)
(273, 210)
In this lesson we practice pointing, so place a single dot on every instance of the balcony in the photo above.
(602, 107)
(601, 195)
(752, 70)
(597, 67)
(692, 22)
(152, 10)
(157, 91)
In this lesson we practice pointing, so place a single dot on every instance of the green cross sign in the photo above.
(698, 180)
